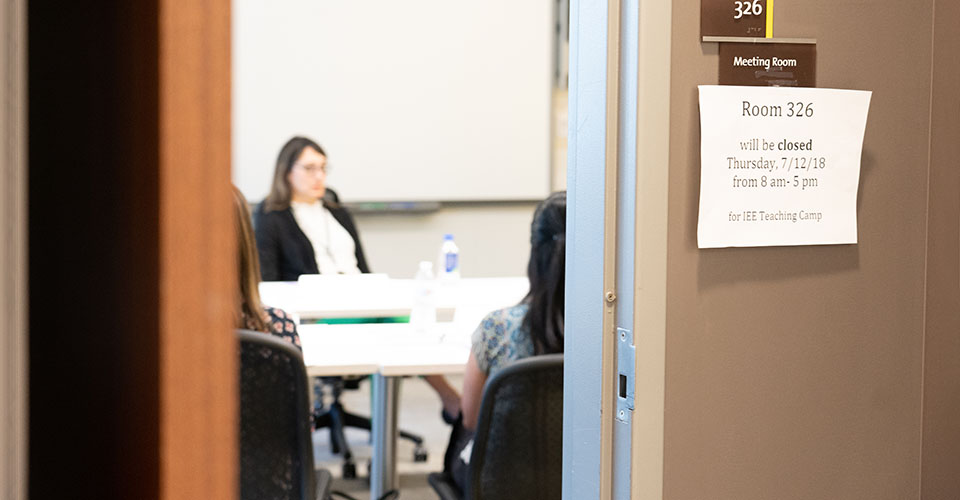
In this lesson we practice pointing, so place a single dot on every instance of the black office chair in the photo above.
(276, 451)
(518, 445)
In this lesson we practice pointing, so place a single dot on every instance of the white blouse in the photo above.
(332, 244)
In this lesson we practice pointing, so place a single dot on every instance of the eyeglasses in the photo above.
(314, 169)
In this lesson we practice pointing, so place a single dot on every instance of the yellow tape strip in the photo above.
(769, 18)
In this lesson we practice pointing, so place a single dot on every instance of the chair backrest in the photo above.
(276, 452)
(518, 446)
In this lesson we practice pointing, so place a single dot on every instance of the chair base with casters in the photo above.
(337, 419)
(518, 445)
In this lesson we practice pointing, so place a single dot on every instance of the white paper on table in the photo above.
(779, 166)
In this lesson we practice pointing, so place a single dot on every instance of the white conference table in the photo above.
(317, 297)
(387, 351)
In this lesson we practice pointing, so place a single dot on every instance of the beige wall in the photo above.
(797, 373)
(494, 238)
(940, 473)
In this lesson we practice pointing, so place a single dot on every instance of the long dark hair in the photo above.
(250, 313)
(280, 192)
(548, 242)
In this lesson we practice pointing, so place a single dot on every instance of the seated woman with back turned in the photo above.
(533, 327)
(300, 227)
(252, 315)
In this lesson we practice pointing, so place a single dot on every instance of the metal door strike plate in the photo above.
(626, 366)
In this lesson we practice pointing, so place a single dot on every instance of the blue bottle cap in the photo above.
(448, 237)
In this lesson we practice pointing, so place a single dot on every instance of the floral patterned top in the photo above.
(500, 339)
(280, 325)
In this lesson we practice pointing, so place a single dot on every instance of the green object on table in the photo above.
(356, 321)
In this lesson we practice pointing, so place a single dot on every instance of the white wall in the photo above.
(494, 239)
(437, 100)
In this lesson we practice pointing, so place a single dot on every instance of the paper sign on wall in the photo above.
(779, 166)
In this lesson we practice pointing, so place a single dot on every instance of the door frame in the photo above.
(617, 180)
(133, 278)
(13, 252)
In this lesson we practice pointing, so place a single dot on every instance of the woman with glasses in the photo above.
(300, 227)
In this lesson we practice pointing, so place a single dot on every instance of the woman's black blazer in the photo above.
(285, 252)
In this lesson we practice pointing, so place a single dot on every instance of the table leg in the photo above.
(383, 469)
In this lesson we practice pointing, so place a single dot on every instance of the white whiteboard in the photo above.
(423, 100)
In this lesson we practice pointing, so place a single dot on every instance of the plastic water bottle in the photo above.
(449, 260)
(424, 313)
